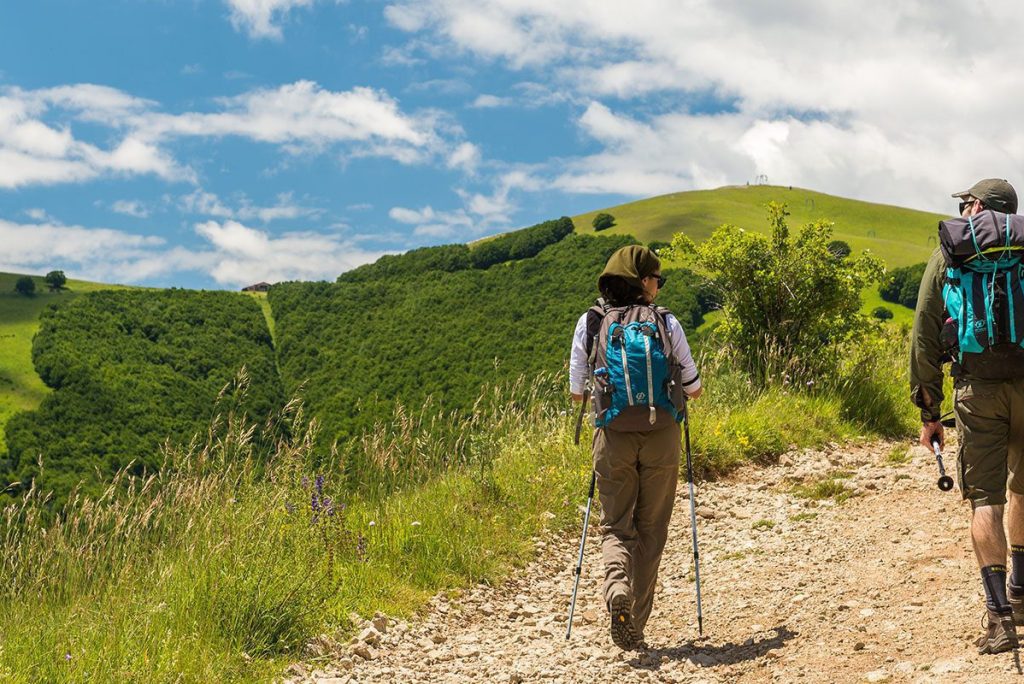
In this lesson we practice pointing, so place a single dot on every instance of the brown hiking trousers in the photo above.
(637, 474)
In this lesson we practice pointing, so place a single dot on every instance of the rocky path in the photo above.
(878, 587)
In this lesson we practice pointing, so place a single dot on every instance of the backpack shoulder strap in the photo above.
(595, 315)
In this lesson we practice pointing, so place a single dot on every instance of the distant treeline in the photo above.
(131, 369)
(519, 244)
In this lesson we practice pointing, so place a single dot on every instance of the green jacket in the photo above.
(925, 350)
(1002, 362)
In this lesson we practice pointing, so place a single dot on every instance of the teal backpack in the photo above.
(984, 289)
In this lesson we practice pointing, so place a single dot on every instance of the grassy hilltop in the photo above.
(899, 236)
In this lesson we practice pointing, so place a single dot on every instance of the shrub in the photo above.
(902, 285)
(882, 313)
(787, 303)
(603, 221)
(25, 286)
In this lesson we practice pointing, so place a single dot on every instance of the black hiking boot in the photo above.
(1016, 604)
(624, 633)
(1000, 634)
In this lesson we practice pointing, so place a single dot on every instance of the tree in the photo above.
(56, 280)
(786, 302)
(25, 286)
(602, 221)
(839, 248)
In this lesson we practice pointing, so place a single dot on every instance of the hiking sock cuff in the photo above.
(1017, 569)
(993, 577)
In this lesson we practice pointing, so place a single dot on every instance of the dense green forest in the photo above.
(132, 369)
(428, 328)
(362, 348)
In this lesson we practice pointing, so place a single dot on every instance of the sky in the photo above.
(217, 143)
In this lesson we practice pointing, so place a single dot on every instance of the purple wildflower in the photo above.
(319, 484)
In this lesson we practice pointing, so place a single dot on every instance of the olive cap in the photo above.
(994, 193)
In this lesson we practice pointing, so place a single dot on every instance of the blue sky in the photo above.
(213, 143)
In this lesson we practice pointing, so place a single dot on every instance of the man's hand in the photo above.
(577, 397)
(929, 428)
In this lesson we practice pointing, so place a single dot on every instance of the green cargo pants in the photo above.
(990, 417)
(637, 474)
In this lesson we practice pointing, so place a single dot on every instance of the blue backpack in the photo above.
(984, 289)
(636, 384)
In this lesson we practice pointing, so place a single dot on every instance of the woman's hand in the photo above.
(695, 394)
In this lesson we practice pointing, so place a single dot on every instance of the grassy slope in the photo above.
(20, 386)
(900, 237)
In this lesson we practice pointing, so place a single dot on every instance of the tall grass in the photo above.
(244, 547)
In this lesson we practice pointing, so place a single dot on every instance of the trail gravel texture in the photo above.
(877, 584)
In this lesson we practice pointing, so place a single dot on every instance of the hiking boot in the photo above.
(1016, 604)
(1000, 634)
(624, 633)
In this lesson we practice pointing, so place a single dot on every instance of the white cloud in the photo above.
(131, 208)
(490, 101)
(209, 204)
(466, 156)
(38, 144)
(902, 107)
(481, 213)
(259, 18)
(205, 203)
(244, 255)
(235, 254)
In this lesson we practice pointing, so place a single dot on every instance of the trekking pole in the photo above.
(693, 517)
(945, 481)
(579, 562)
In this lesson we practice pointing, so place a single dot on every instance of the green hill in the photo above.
(899, 236)
(20, 386)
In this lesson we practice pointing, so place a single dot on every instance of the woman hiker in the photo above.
(638, 373)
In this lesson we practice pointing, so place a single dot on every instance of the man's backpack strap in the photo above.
(595, 315)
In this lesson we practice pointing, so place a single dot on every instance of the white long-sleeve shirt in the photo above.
(680, 348)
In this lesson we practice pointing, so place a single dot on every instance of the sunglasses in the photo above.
(967, 203)
(661, 279)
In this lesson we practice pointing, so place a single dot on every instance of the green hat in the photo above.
(994, 193)
(632, 263)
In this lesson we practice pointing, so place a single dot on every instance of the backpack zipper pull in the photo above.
(652, 417)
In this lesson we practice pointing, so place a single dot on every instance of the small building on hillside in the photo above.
(258, 287)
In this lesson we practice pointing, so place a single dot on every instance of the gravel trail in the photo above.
(879, 587)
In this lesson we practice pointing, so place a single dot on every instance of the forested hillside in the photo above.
(361, 347)
(132, 369)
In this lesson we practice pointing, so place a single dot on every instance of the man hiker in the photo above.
(961, 314)
(634, 359)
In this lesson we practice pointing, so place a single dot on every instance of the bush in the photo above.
(882, 313)
(788, 303)
(902, 285)
(25, 286)
(839, 248)
(603, 221)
